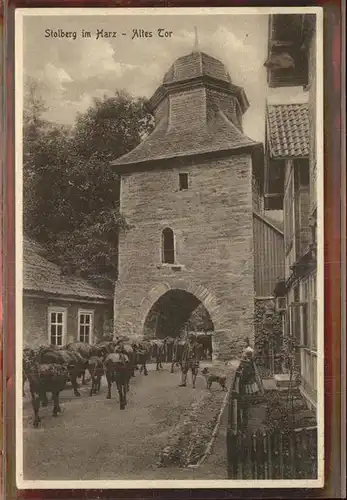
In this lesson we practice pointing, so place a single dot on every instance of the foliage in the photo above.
(278, 415)
(107, 332)
(268, 330)
(280, 406)
(285, 410)
(199, 320)
(288, 355)
(71, 192)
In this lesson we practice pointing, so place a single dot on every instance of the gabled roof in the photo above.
(41, 275)
(215, 134)
(288, 130)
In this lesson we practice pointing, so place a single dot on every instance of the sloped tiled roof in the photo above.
(41, 275)
(214, 134)
(288, 130)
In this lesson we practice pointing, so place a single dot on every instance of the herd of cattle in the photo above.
(48, 368)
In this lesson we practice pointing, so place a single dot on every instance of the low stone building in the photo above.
(59, 309)
(192, 194)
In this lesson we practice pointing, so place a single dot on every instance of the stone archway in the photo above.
(199, 292)
(231, 324)
(175, 313)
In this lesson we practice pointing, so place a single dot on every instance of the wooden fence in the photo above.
(266, 455)
(275, 455)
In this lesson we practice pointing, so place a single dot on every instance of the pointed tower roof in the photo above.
(196, 40)
(197, 109)
(196, 64)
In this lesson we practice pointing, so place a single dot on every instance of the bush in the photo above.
(268, 333)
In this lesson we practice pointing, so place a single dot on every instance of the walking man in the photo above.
(190, 360)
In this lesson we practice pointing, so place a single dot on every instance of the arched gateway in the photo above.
(176, 301)
(175, 313)
(169, 308)
(186, 192)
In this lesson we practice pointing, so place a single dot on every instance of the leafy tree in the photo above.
(34, 107)
(75, 191)
(112, 126)
(33, 126)
(199, 320)
(44, 159)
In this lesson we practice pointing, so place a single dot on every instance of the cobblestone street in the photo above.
(92, 439)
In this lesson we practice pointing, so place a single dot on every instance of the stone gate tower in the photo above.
(186, 192)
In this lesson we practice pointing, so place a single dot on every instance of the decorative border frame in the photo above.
(335, 227)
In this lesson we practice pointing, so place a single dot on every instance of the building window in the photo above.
(302, 167)
(183, 181)
(299, 322)
(56, 326)
(168, 246)
(85, 326)
(298, 315)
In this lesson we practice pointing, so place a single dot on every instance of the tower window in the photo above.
(168, 246)
(183, 178)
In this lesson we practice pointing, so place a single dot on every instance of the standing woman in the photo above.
(251, 382)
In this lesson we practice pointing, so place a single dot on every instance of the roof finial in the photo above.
(196, 41)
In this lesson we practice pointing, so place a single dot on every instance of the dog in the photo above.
(214, 377)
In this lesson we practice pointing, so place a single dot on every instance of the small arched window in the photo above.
(168, 246)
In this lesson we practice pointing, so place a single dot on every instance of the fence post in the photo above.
(292, 454)
(281, 454)
(272, 359)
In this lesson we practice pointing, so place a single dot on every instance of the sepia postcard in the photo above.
(169, 248)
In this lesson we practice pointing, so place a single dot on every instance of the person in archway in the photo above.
(190, 360)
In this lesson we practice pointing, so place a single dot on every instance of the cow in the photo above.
(87, 351)
(119, 370)
(84, 349)
(158, 352)
(106, 346)
(45, 378)
(142, 350)
(71, 359)
(95, 367)
(128, 349)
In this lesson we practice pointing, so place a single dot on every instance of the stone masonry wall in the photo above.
(213, 226)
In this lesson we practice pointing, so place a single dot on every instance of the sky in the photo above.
(72, 72)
